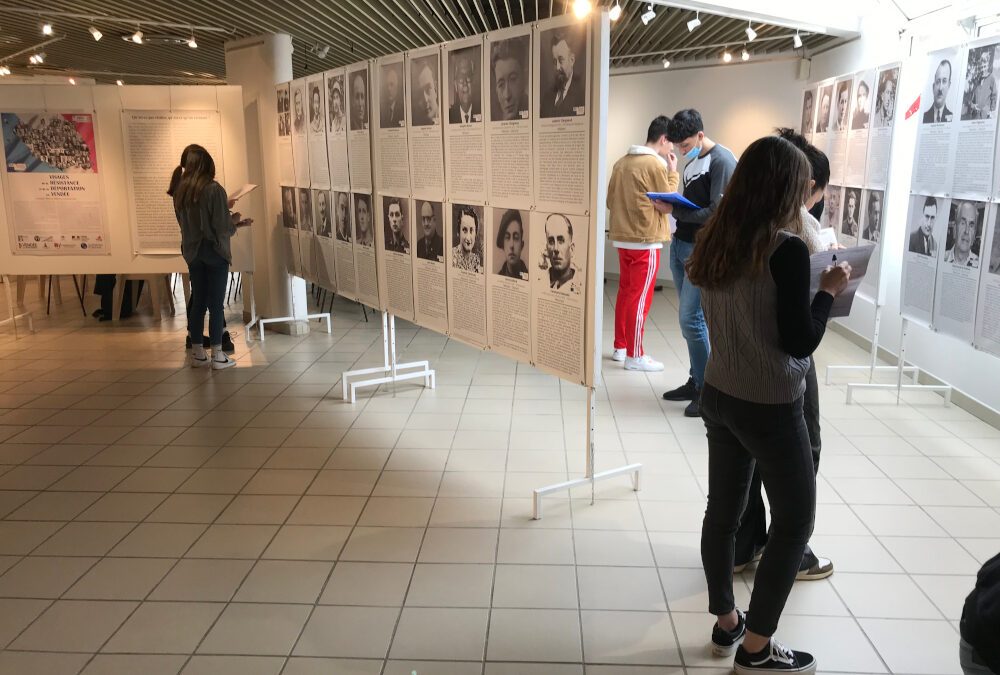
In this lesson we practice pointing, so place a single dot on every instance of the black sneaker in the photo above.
(227, 343)
(725, 642)
(820, 569)
(685, 392)
(187, 344)
(774, 658)
(757, 555)
(693, 408)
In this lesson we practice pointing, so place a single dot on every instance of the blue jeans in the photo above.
(209, 274)
(692, 319)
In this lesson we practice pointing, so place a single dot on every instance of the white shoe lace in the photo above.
(781, 653)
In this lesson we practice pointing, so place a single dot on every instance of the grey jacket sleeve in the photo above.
(220, 222)
(720, 172)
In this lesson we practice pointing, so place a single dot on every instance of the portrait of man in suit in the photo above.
(938, 113)
(431, 243)
(395, 226)
(466, 88)
(873, 218)
(510, 78)
(359, 100)
(564, 63)
(391, 102)
(825, 103)
(922, 238)
(425, 97)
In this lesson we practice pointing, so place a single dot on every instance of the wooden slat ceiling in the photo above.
(352, 29)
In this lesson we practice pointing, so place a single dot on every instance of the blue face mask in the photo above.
(693, 153)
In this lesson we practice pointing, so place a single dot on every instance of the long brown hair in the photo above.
(765, 195)
(196, 170)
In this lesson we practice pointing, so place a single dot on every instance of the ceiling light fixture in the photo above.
(797, 40)
(72, 80)
(46, 28)
(745, 55)
(96, 33)
(321, 52)
(615, 12)
(666, 63)
(119, 83)
(695, 22)
(4, 71)
(137, 36)
(648, 15)
(192, 43)
(751, 33)
(726, 56)
(581, 8)
(36, 59)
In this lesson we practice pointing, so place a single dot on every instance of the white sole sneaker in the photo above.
(643, 363)
(201, 363)
(619, 355)
(222, 365)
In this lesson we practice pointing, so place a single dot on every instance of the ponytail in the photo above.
(175, 180)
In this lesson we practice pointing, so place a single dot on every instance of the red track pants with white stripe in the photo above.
(635, 296)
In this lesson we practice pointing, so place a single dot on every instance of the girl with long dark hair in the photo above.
(754, 277)
(207, 224)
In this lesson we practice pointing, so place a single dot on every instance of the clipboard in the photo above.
(675, 198)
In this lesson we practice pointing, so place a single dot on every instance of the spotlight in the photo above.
(745, 55)
(666, 63)
(648, 15)
(137, 36)
(581, 8)
(119, 83)
(192, 44)
(695, 22)
(726, 56)
(72, 80)
(37, 58)
(321, 52)
(96, 33)
(32, 59)
(797, 41)
(751, 33)
(616, 12)
(4, 71)
(46, 29)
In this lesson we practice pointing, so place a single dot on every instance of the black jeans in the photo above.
(209, 273)
(740, 435)
(752, 535)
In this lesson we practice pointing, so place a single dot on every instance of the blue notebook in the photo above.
(675, 198)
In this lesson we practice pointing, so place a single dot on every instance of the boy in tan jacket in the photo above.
(639, 226)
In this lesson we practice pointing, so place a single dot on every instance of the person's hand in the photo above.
(236, 217)
(246, 222)
(834, 279)
(230, 204)
(672, 161)
(663, 207)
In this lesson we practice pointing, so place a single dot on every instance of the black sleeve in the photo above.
(800, 324)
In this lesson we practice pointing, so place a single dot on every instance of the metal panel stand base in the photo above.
(261, 321)
(12, 317)
(591, 478)
(390, 372)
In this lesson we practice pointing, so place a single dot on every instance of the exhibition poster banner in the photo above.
(319, 166)
(395, 257)
(859, 128)
(508, 116)
(425, 123)
(840, 124)
(336, 128)
(508, 282)
(988, 313)
(977, 119)
(464, 138)
(849, 229)
(883, 121)
(54, 185)
(392, 161)
(824, 113)
(562, 114)
(324, 264)
(364, 251)
(430, 292)
(154, 141)
(926, 227)
(286, 165)
(808, 113)
(343, 247)
(300, 133)
(872, 213)
(959, 269)
(359, 147)
(466, 275)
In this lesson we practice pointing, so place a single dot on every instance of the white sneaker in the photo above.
(222, 363)
(619, 355)
(645, 363)
(202, 360)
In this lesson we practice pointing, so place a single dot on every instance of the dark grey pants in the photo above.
(742, 435)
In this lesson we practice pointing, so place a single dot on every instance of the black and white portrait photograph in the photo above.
(861, 110)
(842, 114)
(305, 210)
(322, 216)
(979, 100)
(342, 215)
(559, 255)
(396, 225)
(364, 235)
(510, 238)
(831, 210)
(467, 238)
(994, 267)
(965, 233)
(316, 112)
(825, 98)
(430, 241)
(298, 107)
(465, 85)
(851, 212)
(359, 99)
(391, 114)
(510, 78)
(337, 123)
(425, 90)
(871, 217)
(885, 98)
(939, 98)
(288, 207)
(284, 112)
(808, 110)
(563, 71)
(922, 239)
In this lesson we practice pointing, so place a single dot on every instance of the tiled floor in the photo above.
(159, 519)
